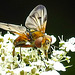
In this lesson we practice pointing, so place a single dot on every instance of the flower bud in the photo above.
(3, 57)
(33, 70)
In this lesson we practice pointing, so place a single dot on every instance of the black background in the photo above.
(61, 18)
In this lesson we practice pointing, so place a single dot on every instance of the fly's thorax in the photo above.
(36, 35)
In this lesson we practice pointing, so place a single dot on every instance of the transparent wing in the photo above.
(12, 27)
(37, 19)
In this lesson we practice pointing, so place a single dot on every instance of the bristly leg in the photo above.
(13, 53)
(49, 52)
(46, 54)
(20, 54)
(43, 61)
(39, 53)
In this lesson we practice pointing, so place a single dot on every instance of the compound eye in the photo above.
(38, 42)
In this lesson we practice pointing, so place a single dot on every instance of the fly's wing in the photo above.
(37, 19)
(13, 28)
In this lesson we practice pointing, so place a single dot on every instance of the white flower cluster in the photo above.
(68, 45)
(28, 61)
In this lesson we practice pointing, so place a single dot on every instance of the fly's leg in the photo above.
(24, 46)
(20, 54)
(13, 53)
(39, 53)
(46, 54)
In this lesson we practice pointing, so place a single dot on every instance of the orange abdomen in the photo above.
(21, 39)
